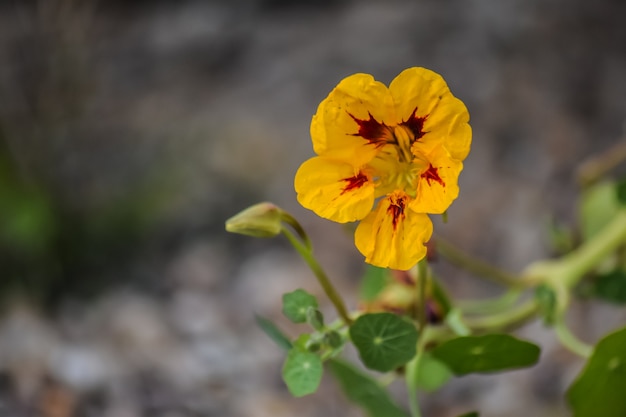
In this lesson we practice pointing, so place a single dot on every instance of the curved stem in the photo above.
(568, 270)
(476, 267)
(491, 305)
(319, 273)
(422, 280)
(505, 320)
(570, 341)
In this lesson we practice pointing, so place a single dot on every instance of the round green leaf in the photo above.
(302, 372)
(384, 340)
(490, 353)
(296, 305)
(601, 387)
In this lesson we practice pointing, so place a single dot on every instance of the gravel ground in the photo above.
(209, 102)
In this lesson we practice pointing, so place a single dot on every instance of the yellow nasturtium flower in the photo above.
(386, 157)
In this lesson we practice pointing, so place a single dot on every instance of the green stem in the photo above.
(332, 294)
(476, 267)
(491, 305)
(505, 320)
(570, 341)
(422, 280)
(569, 269)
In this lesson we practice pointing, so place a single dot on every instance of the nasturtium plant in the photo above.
(384, 340)
(389, 157)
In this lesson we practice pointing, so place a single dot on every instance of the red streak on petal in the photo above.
(354, 182)
(370, 129)
(415, 125)
(431, 174)
(396, 210)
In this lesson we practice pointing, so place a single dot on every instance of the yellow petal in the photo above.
(437, 182)
(334, 190)
(393, 235)
(352, 122)
(423, 94)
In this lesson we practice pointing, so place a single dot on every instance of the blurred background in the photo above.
(130, 130)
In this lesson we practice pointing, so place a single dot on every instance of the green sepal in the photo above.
(315, 318)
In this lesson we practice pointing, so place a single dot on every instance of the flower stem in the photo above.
(422, 280)
(305, 250)
(476, 267)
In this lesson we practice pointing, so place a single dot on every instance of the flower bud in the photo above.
(259, 220)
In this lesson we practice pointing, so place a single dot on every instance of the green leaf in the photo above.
(302, 372)
(472, 414)
(431, 374)
(373, 282)
(364, 391)
(611, 286)
(600, 389)
(384, 340)
(296, 304)
(490, 353)
(273, 332)
(599, 204)
(620, 191)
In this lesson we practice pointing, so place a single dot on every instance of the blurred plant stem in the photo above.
(567, 271)
(306, 251)
(476, 267)
(598, 166)
(570, 341)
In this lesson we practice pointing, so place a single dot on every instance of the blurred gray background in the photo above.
(129, 132)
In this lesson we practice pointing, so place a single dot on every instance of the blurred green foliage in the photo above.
(50, 250)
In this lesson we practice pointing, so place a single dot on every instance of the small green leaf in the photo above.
(373, 282)
(490, 353)
(546, 299)
(296, 304)
(431, 374)
(273, 332)
(599, 390)
(384, 340)
(302, 372)
(611, 286)
(472, 414)
(364, 391)
(315, 318)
